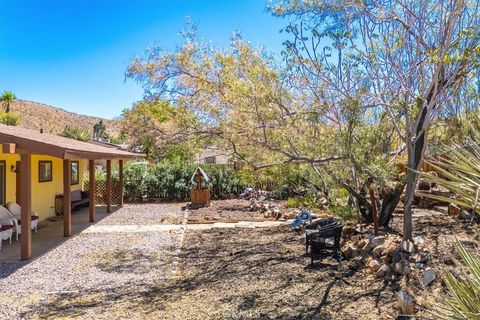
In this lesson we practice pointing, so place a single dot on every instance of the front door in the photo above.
(2, 182)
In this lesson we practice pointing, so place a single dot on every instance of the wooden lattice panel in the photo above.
(101, 192)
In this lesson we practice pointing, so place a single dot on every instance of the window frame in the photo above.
(211, 157)
(72, 182)
(44, 162)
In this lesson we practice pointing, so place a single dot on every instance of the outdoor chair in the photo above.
(327, 239)
(7, 224)
(315, 226)
(16, 212)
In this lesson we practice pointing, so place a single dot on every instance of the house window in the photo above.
(75, 169)
(44, 171)
(210, 160)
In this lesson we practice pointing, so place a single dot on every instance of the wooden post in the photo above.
(26, 204)
(109, 186)
(91, 190)
(121, 182)
(67, 207)
(374, 211)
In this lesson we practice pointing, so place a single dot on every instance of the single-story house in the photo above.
(35, 167)
(212, 155)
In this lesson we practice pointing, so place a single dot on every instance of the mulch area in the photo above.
(231, 210)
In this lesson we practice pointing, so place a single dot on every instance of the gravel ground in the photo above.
(146, 213)
(91, 267)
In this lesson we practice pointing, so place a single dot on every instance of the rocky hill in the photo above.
(51, 119)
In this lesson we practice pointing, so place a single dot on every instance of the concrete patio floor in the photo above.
(50, 234)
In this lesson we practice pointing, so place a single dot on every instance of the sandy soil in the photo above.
(232, 210)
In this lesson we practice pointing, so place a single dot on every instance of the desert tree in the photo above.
(414, 56)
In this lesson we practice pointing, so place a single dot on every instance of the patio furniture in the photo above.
(16, 212)
(315, 226)
(78, 198)
(326, 240)
(7, 224)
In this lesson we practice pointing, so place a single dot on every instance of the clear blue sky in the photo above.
(73, 54)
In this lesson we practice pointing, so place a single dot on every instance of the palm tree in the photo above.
(7, 98)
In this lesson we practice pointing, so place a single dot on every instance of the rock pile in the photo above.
(391, 258)
(268, 209)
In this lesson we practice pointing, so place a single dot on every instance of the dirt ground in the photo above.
(264, 274)
(231, 210)
(239, 273)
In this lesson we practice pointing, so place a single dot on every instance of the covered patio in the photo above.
(25, 143)
(50, 234)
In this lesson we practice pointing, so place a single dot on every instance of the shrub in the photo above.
(9, 118)
(345, 212)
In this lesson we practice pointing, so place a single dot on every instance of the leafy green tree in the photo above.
(7, 98)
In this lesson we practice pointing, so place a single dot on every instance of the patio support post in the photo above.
(67, 208)
(91, 190)
(121, 182)
(109, 186)
(26, 204)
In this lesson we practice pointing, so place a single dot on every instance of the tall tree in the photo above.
(7, 98)
(414, 55)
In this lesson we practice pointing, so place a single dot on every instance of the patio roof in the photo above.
(35, 142)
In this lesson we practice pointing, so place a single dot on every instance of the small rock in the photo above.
(454, 210)
(405, 303)
(376, 241)
(464, 215)
(418, 240)
(374, 265)
(382, 271)
(378, 251)
(428, 276)
(361, 244)
(407, 246)
(419, 258)
(349, 251)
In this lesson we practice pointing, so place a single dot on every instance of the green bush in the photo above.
(170, 180)
(9, 118)
(345, 212)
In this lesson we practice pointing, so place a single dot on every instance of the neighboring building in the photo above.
(33, 171)
(212, 155)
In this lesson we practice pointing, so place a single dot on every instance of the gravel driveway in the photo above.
(94, 271)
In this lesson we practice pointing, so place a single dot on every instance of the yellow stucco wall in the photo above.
(43, 193)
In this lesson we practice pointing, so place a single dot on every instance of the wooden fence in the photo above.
(101, 192)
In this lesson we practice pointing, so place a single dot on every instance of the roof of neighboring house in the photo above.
(32, 141)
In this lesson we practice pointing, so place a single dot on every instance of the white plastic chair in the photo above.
(16, 212)
(7, 225)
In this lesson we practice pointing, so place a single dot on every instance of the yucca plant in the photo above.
(459, 173)
(463, 299)
(77, 133)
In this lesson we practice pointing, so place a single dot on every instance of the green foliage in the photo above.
(459, 172)
(345, 212)
(170, 180)
(7, 97)
(310, 201)
(77, 133)
(463, 301)
(9, 118)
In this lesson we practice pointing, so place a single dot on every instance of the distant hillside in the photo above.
(38, 116)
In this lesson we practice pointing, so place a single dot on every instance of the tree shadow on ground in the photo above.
(258, 274)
